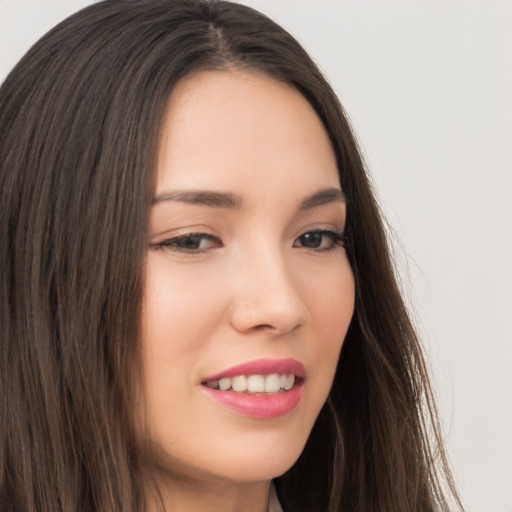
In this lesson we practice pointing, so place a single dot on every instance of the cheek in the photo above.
(331, 306)
(180, 308)
(179, 313)
(330, 294)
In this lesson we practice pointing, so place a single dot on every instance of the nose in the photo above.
(266, 296)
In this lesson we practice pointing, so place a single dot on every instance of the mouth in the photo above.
(255, 384)
(260, 389)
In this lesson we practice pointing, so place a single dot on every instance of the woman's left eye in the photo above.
(320, 240)
(190, 243)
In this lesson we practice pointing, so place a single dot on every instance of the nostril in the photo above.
(262, 327)
(279, 328)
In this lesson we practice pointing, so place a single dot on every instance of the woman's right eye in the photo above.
(194, 243)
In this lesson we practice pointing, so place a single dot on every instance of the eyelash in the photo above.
(338, 239)
(173, 243)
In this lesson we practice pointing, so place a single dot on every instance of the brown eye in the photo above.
(312, 240)
(191, 242)
(320, 240)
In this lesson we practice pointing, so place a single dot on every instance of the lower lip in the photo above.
(258, 406)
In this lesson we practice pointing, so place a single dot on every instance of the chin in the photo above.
(264, 458)
(259, 469)
(261, 456)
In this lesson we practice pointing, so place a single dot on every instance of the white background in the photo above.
(427, 85)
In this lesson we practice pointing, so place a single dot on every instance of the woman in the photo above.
(189, 243)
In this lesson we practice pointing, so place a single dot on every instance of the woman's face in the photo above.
(248, 291)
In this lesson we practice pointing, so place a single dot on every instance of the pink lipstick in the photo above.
(262, 389)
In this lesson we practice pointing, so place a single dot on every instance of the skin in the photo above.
(252, 287)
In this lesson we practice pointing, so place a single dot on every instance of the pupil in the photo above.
(313, 239)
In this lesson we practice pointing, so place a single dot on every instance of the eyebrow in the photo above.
(325, 196)
(232, 201)
(202, 198)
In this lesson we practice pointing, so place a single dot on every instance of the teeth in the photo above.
(256, 384)
(239, 384)
(273, 383)
(290, 381)
(214, 384)
(224, 384)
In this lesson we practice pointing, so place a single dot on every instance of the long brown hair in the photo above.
(79, 124)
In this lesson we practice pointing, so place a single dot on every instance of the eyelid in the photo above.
(185, 230)
(330, 226)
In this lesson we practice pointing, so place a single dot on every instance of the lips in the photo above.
(262, 389)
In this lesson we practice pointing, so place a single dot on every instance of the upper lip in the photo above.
(262, 367)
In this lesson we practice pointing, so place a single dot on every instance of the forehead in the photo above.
(238, 128)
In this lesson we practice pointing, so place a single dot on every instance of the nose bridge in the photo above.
(266, 292)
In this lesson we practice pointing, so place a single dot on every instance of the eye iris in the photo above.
(190, 242)
(312, 239)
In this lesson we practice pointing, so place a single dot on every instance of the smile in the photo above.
(273, 383)
(262, 389)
